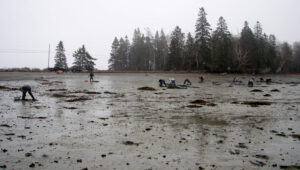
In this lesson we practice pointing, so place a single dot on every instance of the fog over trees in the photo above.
(212, 50)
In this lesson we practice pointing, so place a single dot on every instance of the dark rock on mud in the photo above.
(22, 136)
(203, 102)
(4, 88)
(273, 131)
(194, 106)
(275, 90)
(242, 145)
(289, 166)
(57, 89)
(78, 99)
(72, 108)
(261, 156)
(3, 166)
(281, 134)
(28, 154)
(234, 152)
(5, 125)
(108, 92)
(130, 143)
(28, 117)
(92, 92)
(267, 95)
(256, 103)
(147, 88)
(9, 134)
(103, 118)
(32, 165)
(256, 90)
(295, 136)
(257, 163)
(62, 95)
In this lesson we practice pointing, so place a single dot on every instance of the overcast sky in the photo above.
(27, 27)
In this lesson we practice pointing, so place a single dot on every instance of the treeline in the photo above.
(212, 50)
(83, 61)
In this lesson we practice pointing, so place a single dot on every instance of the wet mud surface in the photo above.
(126, 121)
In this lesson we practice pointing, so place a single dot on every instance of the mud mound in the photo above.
(29, 117)
(78, 99)
(130, 143)
(4, 88)
(275, 90)
(59, 95)
(194, 106)
(203, 102)
(147, 88)
(86, 92)
(256, 103)
(295, 136)
(57, 89)
(108, 92)
(92, 92)
(256, 90)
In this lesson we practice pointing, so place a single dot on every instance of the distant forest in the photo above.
(211, 50)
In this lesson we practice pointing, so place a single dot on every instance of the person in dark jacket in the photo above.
(91, 76)
(251, 82)
(162, 83)
(26, 89)
(187, 82)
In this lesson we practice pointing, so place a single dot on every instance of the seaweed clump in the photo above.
(147, 88)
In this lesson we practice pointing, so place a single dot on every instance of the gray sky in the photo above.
(27, 27)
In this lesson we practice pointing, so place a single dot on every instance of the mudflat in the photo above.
(126, 121)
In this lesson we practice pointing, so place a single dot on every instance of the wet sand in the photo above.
(110, 124)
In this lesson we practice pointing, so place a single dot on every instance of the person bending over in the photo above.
(162, 83)
(187, 82)
(26, 89)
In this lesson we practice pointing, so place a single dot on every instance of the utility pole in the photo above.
(48, 56)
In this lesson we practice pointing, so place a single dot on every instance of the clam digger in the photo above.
(24, 90)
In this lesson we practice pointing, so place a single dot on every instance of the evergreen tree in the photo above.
(113, 54)
(296, 57)
(202, 39)
(259, 57)
(127, 53)
(175, 58)
(137, 51)
(149, 57)
(122, 55)
(270, 53)
(247, 43)
(60, 58)
(157, 52)
(190, 55)
(221, 48)
(83, 61)
(286, 58)
(164, 50)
